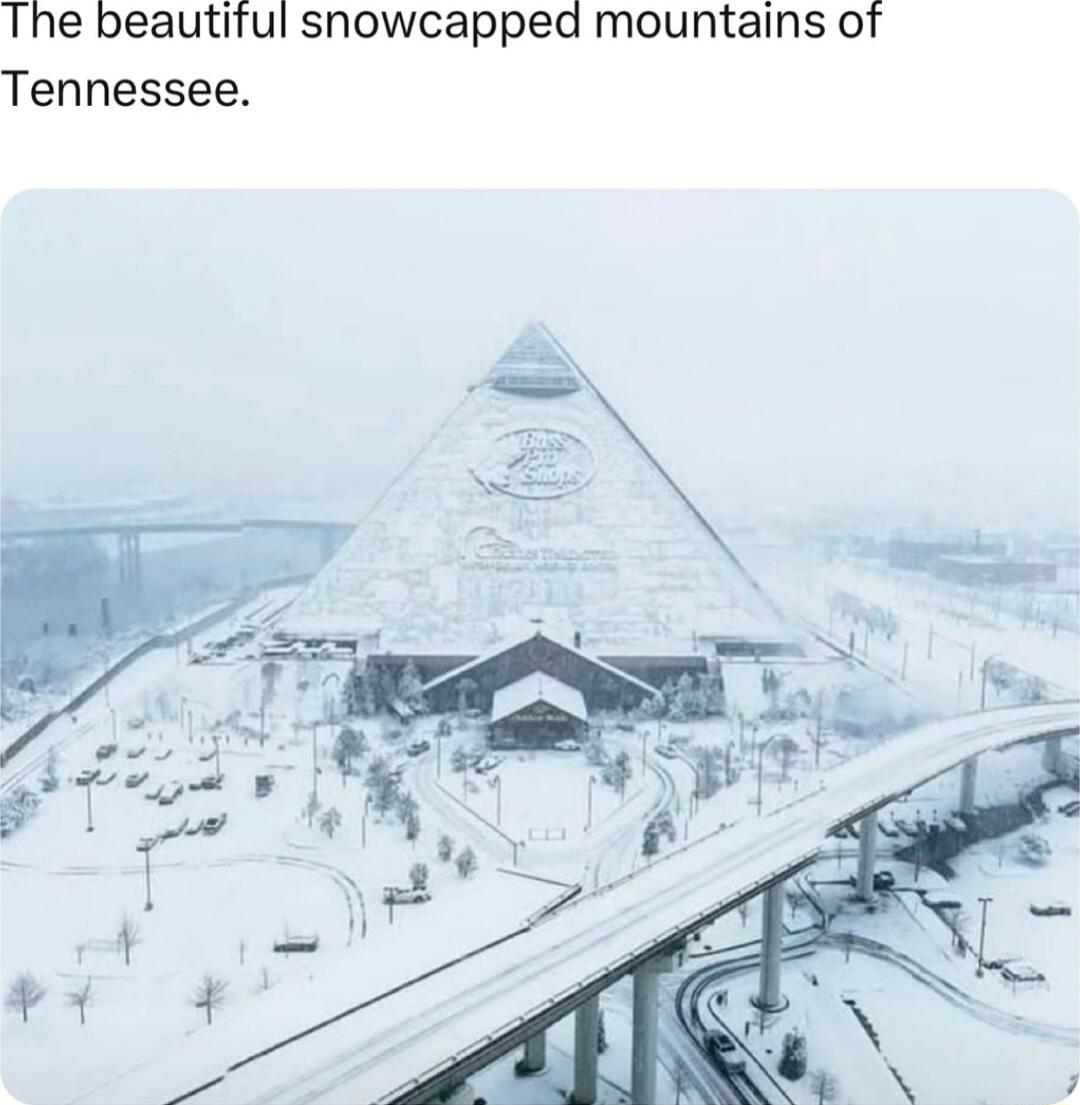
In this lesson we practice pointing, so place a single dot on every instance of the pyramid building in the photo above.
(534, 519)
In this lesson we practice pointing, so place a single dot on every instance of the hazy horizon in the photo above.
(912, 353)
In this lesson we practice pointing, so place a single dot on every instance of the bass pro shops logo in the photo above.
(536, 464)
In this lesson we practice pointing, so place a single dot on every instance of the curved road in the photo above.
(405, 1043)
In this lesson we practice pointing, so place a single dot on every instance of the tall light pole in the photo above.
(217, 755)
(644, 738)
(112, 710)
(761, 768)
(89, 806)
(982, 936)
(314, 760)
(497, 780)
(146, 855)
(363, 822)
(982, 694)
(588, 802)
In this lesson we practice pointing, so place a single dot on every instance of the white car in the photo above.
(568, 746)
(666, 751)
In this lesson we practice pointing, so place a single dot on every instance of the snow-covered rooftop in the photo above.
(535, 687)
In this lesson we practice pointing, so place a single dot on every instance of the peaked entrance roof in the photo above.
(534, 501)
(537, 687)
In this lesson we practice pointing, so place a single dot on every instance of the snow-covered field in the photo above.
(221, 901)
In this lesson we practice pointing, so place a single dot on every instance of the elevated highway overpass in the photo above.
(408, 1043)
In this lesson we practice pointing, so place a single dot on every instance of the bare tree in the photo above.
(128, 935)
(209, 995)
(81, 998)
(824, 1086)
(24, 993)
(80, 951)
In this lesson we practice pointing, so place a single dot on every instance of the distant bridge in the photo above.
(129, 536)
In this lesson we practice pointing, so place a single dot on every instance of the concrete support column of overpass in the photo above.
(768, 997)
(1051, 756)
(586, 1050)
(646, 1016)
(864, 881)
(968, 772)
(535, 1058)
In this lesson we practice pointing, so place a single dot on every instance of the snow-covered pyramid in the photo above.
(535, 503)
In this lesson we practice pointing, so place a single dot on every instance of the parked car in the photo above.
(105, 780)
(213, 825)
(667, 751)
(104, 751)
(568, 745)
(1051, 909)
(136, 779)
(195, 829)
(906, 827)
(884, 880)
(170, 793)
(1071, 808)
(724, 1050)
(264, 784)
(934, 902)
(488, 763)
(888, 830)
(155, 794)
(197, 785)
(417, 747)
(136, 723)
(405, 895)
(206, 756)
(212, 782)
(135, 753)
(1021, 972)
(296, 944)
(176, 830)
(624, 726)
(163, 755)
(87, 776)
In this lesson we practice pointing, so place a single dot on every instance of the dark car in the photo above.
(154, 795)
(1051, 909)
(105, 780)
(884, 880)
(195, 829)
(135, 753)
(212, 782)
(213, 825)
(87, 776)
(724, 1050)
(104, 751)
(175, 831)
(136, 779)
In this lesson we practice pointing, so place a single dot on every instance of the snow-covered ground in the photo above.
(222, 899)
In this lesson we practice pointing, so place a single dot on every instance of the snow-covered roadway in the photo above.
(404, 1043)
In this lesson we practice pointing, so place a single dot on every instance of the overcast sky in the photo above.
(764, 344)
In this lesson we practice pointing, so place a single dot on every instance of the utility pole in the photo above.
(588, 803)
(971, 671)
(112, 710)
(930, 644)
(982, 936)
(314, 760)
(146, 855)
(217, 755)
(89, 807)
(903, 663)
(982, 696)
(644, 738)
(498, 799)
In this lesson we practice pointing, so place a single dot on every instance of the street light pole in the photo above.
(217, 754)
(314, 760)
(498, 799)
(149, 901)
(982, 936)
(982, 695)
(89, 807)
(112, 710)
